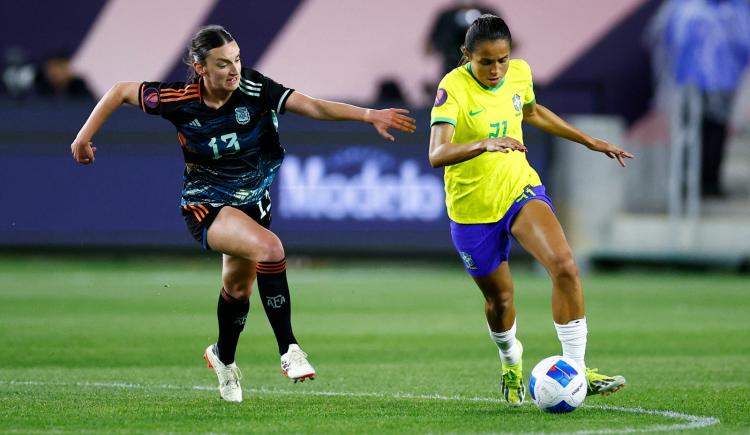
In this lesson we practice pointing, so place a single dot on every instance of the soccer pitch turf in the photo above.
(115, 345)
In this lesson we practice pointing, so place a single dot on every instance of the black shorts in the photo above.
(199, 217)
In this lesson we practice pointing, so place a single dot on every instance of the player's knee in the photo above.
(271, 249)
(564, 268)
(500, 302)
(240, 290)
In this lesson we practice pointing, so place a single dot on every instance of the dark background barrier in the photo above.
(341, 188)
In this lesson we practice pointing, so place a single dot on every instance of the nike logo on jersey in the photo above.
(195, 123)
(476, 112)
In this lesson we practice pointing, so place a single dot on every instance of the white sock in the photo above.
(510, 351)
(572, 336)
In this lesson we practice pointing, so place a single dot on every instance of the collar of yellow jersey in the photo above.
(485, 87)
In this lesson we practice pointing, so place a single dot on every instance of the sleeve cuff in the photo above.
(445, 120)
(281, 107)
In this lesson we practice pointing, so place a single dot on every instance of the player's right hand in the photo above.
(83, 152)
(503, 144)
(384, 119)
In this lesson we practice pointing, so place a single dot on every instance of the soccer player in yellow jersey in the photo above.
(492, 193)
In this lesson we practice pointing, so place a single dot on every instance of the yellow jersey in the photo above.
(482, 189)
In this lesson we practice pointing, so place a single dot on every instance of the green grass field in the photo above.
(104, 346)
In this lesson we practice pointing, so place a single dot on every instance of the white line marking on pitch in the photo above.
(691, 421)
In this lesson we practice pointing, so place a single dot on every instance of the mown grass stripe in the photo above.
(692, 421)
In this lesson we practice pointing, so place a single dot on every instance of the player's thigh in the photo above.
(539, 232)
(236, 234)
(498, 284)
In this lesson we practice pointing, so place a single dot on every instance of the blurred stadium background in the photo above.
(342, 189)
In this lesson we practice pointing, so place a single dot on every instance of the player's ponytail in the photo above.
(205, 39)
(488, 27)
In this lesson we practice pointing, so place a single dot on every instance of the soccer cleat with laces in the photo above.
(229, 375)
(294, 364)
(602, 384)
(512, 385)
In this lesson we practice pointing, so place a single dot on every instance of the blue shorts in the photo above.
(483, 247)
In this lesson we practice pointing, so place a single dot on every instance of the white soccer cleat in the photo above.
(229, 375)
(294, 364)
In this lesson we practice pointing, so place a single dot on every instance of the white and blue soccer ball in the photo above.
(557, 384)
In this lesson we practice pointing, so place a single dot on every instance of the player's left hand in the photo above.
(384, 119)
(610, 150)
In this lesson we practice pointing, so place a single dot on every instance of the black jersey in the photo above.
(231, 153)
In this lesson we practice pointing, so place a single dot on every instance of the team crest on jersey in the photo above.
(468, 261)
(517, 102)
(441, 97)
(242, 115)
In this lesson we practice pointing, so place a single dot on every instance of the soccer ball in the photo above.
(557, 384)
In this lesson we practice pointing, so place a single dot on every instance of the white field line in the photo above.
(688, 421)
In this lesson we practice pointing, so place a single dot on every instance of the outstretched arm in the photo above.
(121, 92)
(545, 119)
(444, 153)
(382, 120)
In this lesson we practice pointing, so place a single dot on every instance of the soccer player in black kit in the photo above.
(226, 120)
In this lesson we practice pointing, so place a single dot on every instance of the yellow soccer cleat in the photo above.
(602, 384)
(512, 386)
